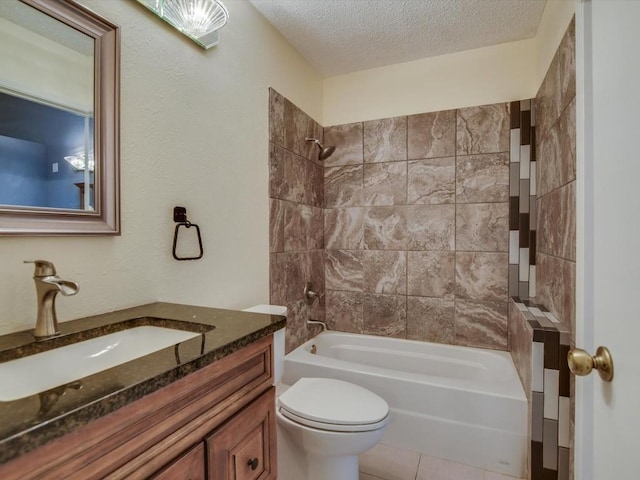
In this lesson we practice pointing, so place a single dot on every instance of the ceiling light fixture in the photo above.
(197, 19)
(78, 164)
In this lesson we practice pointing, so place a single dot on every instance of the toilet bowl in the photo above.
(323, 425)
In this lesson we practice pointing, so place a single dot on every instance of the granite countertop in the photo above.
(30, 422)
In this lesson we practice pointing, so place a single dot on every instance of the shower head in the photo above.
(325, 152)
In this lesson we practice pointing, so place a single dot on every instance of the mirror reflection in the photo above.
(46, 112)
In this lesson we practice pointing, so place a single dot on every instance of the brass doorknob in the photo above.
(581, 363)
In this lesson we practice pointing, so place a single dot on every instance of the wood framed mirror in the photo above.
(59, 120)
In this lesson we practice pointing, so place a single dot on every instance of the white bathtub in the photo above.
(463, 404)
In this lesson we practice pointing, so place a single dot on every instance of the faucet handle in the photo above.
(43, 268)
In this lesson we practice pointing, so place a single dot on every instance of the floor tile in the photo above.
(389, 463)
(432, 468)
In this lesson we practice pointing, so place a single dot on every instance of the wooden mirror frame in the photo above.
(105, 220)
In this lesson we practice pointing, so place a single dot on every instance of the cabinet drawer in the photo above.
(190, 466)
(244, 447)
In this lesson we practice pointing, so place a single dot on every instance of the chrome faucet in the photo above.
(48, 285)
(310, 295)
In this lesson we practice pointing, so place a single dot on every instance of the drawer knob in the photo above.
(253, 463)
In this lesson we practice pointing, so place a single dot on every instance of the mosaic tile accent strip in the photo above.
(522, 200)
(550, 392)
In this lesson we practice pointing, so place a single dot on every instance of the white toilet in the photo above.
(322, 424)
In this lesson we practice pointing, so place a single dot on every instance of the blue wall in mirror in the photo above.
(33, 138)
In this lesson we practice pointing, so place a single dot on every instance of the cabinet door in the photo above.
(245, 447)
(189, 466)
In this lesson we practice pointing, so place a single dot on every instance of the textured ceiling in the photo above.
(342, 36)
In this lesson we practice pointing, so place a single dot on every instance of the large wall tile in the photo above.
(385, 315)
(556, 286)
(482, 276)
(277, 184)
(294, 187)
(297, 226)
(277, 279)
(315, 240)
(482, 178)
(482, 324)
(348, 140)
(432, 135)
(385, 228)
(431, 274)
(556, 159)
(483, 129)
(297, 332)
(431, 227)
(343, 228)
(557, 223)
(289, 274)
(344, 270)
(345, 311)
(432, 181)
(385, 272)
(276, 225)
(297, 126)
(482, 227)
(385, 184)
(520, 343)
(343, 186)
(385, 140)
(276, 117)
(315, 184)
(431, 319)
(559, 85)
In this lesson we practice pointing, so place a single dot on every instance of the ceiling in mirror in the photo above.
(59, 169)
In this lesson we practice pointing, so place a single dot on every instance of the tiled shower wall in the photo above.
(538, 355)
(296, 220)
(417, 226)
(556, 185)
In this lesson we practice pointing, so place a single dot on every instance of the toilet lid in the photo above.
(333, 405)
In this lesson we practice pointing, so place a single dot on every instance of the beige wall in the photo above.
(500, 73)
(473, 77)
(194, 133)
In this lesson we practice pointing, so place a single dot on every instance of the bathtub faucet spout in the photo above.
(318, 322)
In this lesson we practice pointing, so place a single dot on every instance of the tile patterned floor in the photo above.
(384, 462)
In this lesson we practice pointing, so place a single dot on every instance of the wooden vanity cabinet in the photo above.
(244, 448)
(190, 466)
(216, 423)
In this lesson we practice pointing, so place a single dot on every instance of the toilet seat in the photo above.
(333, 405)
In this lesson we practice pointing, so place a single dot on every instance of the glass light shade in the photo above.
(78, 163)
(197, 19)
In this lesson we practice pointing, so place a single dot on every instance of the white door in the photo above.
(608, 268)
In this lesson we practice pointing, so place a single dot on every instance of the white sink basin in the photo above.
(37, 373)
